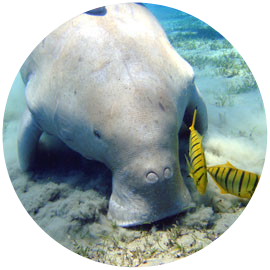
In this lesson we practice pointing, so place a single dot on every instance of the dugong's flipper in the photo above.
(28, 139)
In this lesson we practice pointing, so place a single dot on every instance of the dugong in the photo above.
(112, 88)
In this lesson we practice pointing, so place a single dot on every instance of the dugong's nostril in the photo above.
(167, 173)
(151, 177)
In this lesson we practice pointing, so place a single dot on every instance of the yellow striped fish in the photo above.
(197, 164)
(234, 181)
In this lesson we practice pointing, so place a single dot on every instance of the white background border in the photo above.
(24, 24)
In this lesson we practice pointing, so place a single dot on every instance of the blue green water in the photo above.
(234, 103)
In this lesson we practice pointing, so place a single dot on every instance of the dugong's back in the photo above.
(94, 62)
(128, 32)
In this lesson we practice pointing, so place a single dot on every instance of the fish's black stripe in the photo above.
(240, 182)
(226, 178)
(194, 141)
(256, 183)
(200, 177)
(197, 162)
(244, 187)
(193, 136)
(198, 169)
(195, 157)
(216, 173)
(222, 172)
(248, 180)
(196, 150)
(194, 145)
(219, 180)
(234, 179)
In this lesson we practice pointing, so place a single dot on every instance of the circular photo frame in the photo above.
(134, 134)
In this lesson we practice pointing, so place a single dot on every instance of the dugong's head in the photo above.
(141, 135)
(148, 187)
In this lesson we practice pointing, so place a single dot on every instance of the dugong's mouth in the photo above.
(130, 207)
(126, 216)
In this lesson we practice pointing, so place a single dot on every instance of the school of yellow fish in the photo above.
(228, 178)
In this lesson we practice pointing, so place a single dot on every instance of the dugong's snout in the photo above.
(147, 194)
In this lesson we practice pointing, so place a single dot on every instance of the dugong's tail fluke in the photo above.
(28, 138)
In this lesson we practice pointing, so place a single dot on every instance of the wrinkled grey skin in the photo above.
(113, 89)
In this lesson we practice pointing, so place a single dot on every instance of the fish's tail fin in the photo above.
(222, 190)
(189, 166)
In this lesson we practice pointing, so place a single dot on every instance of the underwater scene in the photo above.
(137, 159)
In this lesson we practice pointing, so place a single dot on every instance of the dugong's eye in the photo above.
(97, 134)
